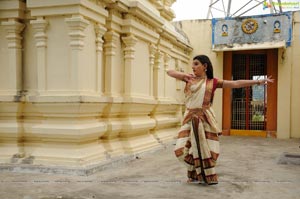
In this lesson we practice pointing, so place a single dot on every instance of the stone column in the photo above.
(178, 82)
(100, 30)
(11, 127)
(156, 80)
(129, 50)
(77, 25)
(14, 29)
(152, 50)
(111, 39)
(39, 25)
(167, 59)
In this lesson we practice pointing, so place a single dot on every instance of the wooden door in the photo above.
(253, 110)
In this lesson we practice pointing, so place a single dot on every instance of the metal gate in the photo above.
(249, 105)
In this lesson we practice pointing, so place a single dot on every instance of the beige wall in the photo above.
(284, 94)
(83, 82)
(288, 126)
(295, 73)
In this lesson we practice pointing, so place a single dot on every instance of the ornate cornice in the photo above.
(139, 27)
(164, 8)
(140, 21)
(143, 12)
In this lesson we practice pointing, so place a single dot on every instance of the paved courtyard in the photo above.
(248, 168)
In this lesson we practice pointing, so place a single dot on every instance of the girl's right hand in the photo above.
(187, 77)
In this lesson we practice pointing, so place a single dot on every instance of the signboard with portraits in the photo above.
(252, 30)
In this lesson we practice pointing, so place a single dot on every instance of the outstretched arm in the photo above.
(179, 75)
(245, 83)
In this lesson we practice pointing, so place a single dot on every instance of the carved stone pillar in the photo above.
(100, 30)
(167, 59)
(14, 29)
(11, 127)
(152, 50)
(129, 50)
(178, 82)
(77, 25)
(39, 25)
(156, 79)
(110, 47)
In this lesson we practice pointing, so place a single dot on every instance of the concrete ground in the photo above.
(248, 168)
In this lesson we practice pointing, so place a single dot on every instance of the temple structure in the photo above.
(83, 82)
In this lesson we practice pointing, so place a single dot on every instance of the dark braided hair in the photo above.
(203, 59)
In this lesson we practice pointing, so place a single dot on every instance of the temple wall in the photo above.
(84, 82)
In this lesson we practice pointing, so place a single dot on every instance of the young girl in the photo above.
(197, 145)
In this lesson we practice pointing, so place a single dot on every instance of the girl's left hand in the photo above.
(266, 80)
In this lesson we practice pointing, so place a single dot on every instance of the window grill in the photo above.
(249, 104)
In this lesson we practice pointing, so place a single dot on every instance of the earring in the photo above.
(205, 70)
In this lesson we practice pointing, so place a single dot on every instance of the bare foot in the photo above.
(190, 180)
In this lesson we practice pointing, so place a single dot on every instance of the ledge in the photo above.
(140, 10)
(81, 170)
(57, 7)
(83, 99)
(12, 9)
(253, 46)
